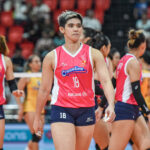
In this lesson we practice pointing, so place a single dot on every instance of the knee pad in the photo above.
(35, 138)
(148, 149)
(1, 148)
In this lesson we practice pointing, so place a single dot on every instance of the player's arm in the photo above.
(45, 88)
(46, 84)
(10, 78)
(103, 75)
(133, 69)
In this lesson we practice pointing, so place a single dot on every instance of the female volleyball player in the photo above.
(71, 66)
(101, 132)
(31, 86)
(128, 96)
(115, 57)
(6, 69)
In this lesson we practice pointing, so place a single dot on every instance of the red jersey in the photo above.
(2, 75)
(73, 78)
(123, 84)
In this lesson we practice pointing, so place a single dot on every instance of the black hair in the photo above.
(99, 40)
(66, 15)
(112, 52)
(136, 38)
(88, 32)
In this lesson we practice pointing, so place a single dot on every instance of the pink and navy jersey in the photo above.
(73, 78)
(123, 84)
(2, 75)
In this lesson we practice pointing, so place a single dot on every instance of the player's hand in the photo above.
(20, 112)
(18, 93)
(98, 113)
(109, 113)
(37, 126)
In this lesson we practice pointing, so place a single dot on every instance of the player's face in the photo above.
(142, 48)
(35, 64)
(116, 58)
(73, 30)
(106, 50)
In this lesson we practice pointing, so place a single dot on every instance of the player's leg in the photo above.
(2, 127)
(84, 136)
(2, 132)
(85, 124)
(141, 134)
(63, 128)
(121, 133)
(101, 134)
(63, 134)
(29, 118)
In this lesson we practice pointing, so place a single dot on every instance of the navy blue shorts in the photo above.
(126, 111)
(1, 112)
(78, 116)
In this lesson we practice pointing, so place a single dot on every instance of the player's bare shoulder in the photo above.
(50, 59)
(96, 54)
(7, 61)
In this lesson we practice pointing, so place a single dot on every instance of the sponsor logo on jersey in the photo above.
(75, 69)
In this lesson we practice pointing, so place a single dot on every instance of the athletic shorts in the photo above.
(1, 112)
(126, 111)
(78, 116)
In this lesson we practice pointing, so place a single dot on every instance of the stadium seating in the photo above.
(67, 4)
(2, 30)
(84, 4)
(99, 14)
(15, 34)
(6, 18)
(52, 4)
(12, 48)
(27, 46)
(102, 4)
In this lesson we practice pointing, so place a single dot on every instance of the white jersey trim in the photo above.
(76, 53)
(91, 62)
(4, 64)
(125, 67)
(55, 89)
(126, 90)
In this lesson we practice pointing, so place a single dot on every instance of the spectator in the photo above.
(20, 10)
(59, 39)
(41, 9)
(90, 22)
(18, 61)
(139, 8)
(144, 23)
(44, 43)
(49, 26)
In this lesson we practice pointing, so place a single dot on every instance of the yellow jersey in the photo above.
(145, 88)
(32, 89)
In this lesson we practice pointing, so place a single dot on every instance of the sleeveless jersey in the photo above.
(32, 92)
(73, 78)
(2, 82)
(123, 84)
